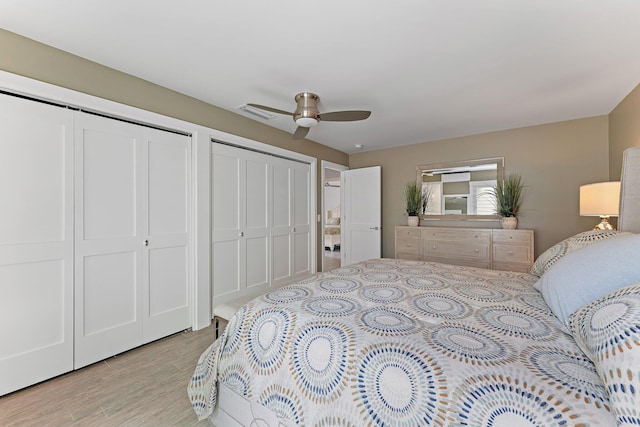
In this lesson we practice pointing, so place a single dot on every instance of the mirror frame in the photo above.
(499, 161)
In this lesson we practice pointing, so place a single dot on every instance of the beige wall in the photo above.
(624, 130)
(553, 159)
(29, 58)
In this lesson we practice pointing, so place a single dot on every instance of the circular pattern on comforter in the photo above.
(470, 346)
(327, 306)
(481, 293)
(338, 285)
(387, 321)
(287, 294)
(424, 283)
(266, 337)
(497, 400)
(515, 322)
(441, 306)
(319, 357)
(399, 385)
(382, 293)
(571, 370)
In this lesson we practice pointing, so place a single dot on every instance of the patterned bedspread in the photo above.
(405, 343)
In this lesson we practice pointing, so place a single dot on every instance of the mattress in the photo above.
(396, 342)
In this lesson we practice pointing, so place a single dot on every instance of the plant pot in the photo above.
(413, 221)
(509, 222)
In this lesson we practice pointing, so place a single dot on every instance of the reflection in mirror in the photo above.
(460, 190)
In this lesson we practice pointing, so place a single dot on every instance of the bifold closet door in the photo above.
(290, 252)
(239, 221)
(36, 242)
(108, 238)
(132, 236)
(166, 164)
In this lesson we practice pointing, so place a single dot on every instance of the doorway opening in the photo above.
(331, 215)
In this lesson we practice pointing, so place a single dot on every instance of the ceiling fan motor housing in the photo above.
(306, 114)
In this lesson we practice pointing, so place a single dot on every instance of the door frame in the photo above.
(324, 164)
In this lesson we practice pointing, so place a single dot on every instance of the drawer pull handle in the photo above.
(476, 250)
(433, 247)
(510, 253)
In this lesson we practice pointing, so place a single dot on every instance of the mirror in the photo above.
(459, 190)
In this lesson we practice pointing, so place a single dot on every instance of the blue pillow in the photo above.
(589, 273)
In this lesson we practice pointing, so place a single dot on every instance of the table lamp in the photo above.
(600, 199)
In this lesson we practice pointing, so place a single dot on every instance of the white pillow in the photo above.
(589, 273)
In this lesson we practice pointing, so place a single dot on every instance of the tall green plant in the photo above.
(416, 198)
(508, 194)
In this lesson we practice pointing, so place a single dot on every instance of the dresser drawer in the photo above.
(407, 245)
(511, 253)
(457, 249)
(447, 234)
(408, 233)
(513, 236)
(412, 256)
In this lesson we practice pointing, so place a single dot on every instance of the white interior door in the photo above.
(36, 242)
(361, 214)
(166, 251)
(108, 238)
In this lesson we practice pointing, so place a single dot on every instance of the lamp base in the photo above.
(604, 224)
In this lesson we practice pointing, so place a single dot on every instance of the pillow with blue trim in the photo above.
(568, 245)
(589, 273)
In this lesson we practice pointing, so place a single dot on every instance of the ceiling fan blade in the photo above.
(345, 116)
(300, 132)
(273, 110)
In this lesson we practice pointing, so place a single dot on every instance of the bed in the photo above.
(395, 342)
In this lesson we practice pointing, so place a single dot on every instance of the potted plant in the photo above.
(508, 194)
(416, 199)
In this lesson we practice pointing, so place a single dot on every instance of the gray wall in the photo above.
(553, 159)
(624, 130)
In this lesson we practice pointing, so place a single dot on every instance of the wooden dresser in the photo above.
(475, 247)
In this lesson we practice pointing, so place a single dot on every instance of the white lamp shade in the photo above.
(600, 199)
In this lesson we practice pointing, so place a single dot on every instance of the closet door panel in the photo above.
(301, 226)
(227, 215)
(108, 280)
(256, 229)
(36, 242)
(109, 183)
(110, 292)
(166, 250)
(281, 231)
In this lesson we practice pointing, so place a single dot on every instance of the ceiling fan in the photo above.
(307, 115)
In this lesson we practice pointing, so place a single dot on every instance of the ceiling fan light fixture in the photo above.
(306, 122)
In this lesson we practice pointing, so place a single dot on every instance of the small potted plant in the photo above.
(508, 194)
(416, 199)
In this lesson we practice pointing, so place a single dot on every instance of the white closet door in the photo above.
(301, 216)
(282, 221)
(36, 242)
(166, 250)
(109, 238)
(240, 222)
(291, 256)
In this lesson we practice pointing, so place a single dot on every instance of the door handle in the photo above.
(146, 242)
(242, 234)
(374, 228)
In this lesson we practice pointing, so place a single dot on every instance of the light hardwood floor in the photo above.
(146, 386)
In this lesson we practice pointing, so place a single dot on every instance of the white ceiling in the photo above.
(427, 69)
